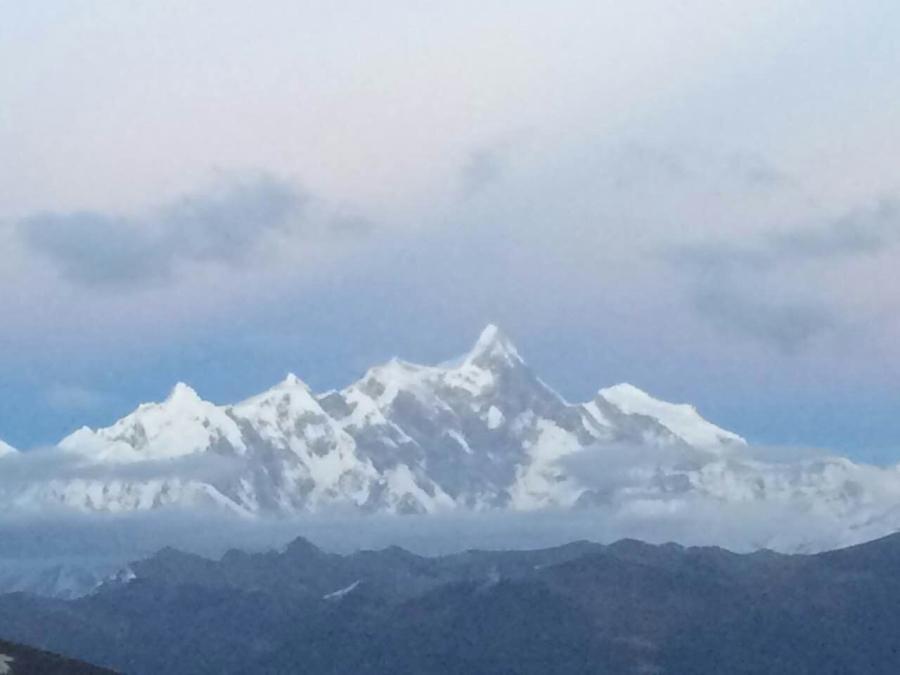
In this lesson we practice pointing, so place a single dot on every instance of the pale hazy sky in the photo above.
(702, 198)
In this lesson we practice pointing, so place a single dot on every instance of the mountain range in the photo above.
(481, 432)
(627, 607)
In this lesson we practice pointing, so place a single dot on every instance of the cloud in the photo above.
(733, 288)
(227, 224)
(648, 489)
(618, 473)
(788, 325)
(863, 231)
(96, 249)
(482, 168)
(756, 170)
(50, 464)
(351, 225)
(642, 165)
(102, 538)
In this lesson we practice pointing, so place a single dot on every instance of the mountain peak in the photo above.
(183, 393)
(492, 345)
(291, 391)
(301, 548)
(291, 381)
(625, 390)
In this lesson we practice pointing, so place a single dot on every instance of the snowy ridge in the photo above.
(479, 432)
(680, 418)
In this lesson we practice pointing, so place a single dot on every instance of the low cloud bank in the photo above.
(51, 464)
(786, 499)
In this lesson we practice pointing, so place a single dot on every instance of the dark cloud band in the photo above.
(224, 225)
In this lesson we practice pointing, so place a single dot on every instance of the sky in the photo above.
(700, 198)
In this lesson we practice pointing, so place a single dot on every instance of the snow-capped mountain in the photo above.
(480, 432)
